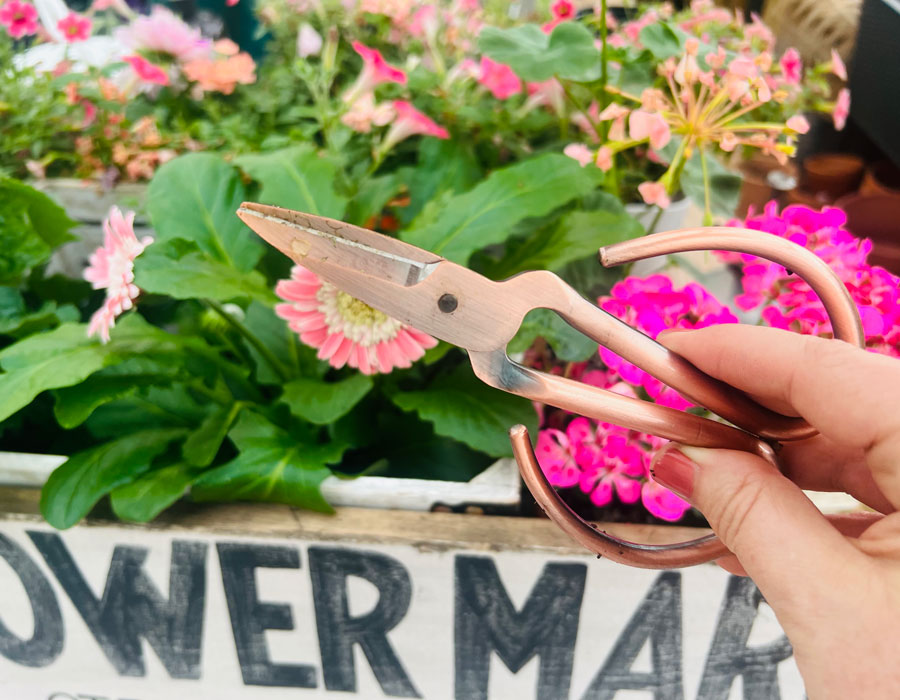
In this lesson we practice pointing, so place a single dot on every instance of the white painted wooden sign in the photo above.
(244, 602)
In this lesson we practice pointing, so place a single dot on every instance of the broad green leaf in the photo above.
(58, 358)
(183, 274)
(149, 495)
(724, 185)
(296, 178)
(148, 407)
(273, 467)
(568, 344)
(373, 194)
(486, 214)
(48, 219)
(324, 402)
(194, 198)
(282, 342)
(83, 479)
(444, 165)
(75, 404)
(568, 52)
(462, 407)
(203, 444)
(661, 40)
(577, 235)
(12, 305)
(49, 315)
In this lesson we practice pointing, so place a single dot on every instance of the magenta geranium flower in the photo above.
(147, 71)
(19, 18)
(75, 27)
(112, 268)
(345, 330)
(791, 66)
(499, 78)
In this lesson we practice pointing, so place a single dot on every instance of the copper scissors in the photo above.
(461, 307)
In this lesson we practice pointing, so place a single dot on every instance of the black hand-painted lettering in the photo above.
(658, 618)
(338, 631)
(730, 657)
(250, 618)
(132, 607)
(487, 621)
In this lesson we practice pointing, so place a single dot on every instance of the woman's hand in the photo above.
(837, 595)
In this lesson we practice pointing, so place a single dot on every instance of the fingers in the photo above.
(779, 537)
(851, 396)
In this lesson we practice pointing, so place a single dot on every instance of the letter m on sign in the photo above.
(487, 621)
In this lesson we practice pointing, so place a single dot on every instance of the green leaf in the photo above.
(149, 495)
(75, 404)
(462, 407)
(296, 178)
(661, 40)
(153, 406)
(373, 195)
(202, 446)
(724, 185)
(444, 165)
(58, 358)
(324, 402)
(568, 52)
(272, 467)
(568, 344)
(577, 235)
(180, 272)
(194, 197)
(486, 214)
(273, 332)
(83, 479)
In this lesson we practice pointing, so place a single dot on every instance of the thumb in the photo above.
(783, 542)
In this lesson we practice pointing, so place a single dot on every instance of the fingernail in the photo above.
(674, 470)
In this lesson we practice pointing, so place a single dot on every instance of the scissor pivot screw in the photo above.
(448, 303)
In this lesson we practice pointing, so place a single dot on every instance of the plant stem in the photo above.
(707, 210)
(653, 224)
(267, 355)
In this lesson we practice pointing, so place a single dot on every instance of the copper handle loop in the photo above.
(660, 420)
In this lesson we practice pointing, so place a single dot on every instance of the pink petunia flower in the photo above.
(345, 330)
(841, 109)
(364, 113)
(112, 268)
(409, 122)
(75, 27)
(375, 71)
(147, 71)
(791, 66)
(837, 65)
(654, 193)
(499, 79)
(164, 32)
(579, 152)
(19, 18)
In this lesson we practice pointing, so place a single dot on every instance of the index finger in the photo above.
(849, 395)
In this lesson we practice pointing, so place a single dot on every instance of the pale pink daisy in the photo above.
(19, 18)
(147, 71)
(112, 268)
(164, 32)
(75, 27)
(345, 330)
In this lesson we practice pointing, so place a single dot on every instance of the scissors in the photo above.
(466, 309)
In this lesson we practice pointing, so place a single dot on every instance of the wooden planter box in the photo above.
(245, 601)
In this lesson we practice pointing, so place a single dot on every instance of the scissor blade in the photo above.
(308, 239)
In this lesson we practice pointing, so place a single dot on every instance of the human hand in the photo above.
(836, 594)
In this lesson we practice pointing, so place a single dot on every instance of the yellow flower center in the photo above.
(358, 312)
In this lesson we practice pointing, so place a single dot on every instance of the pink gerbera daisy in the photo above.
(112, 268)
(75, 27)
(346, 330)
(19, 18)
